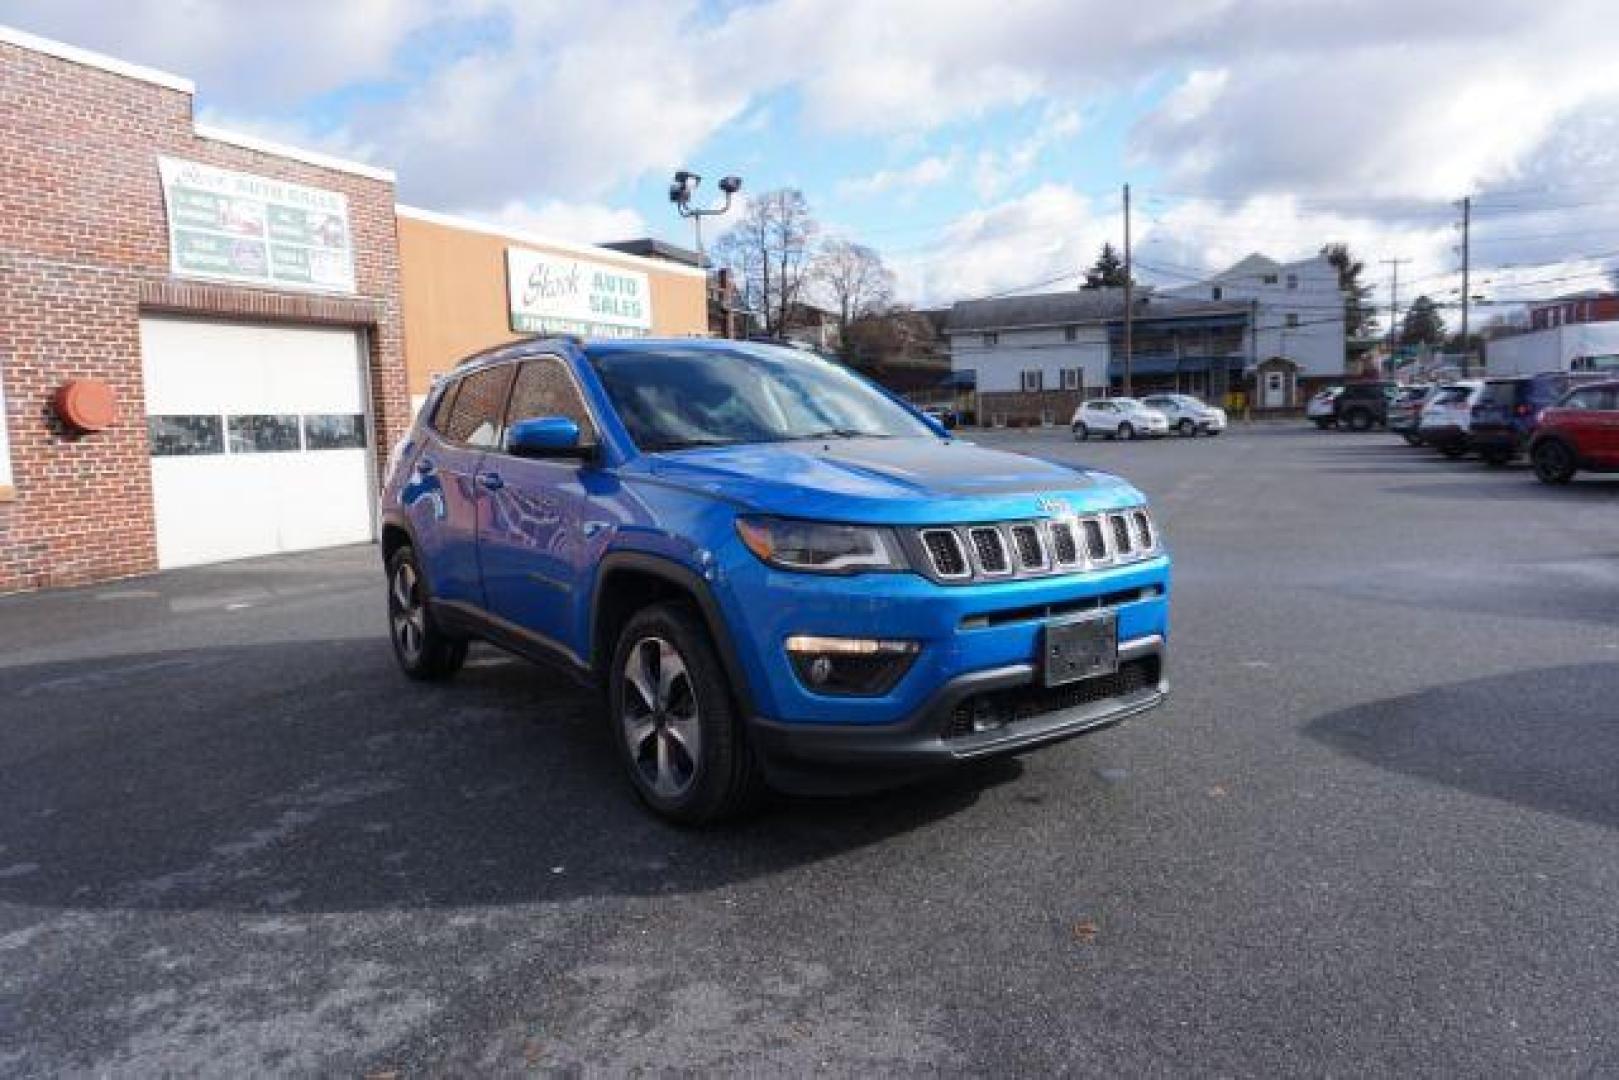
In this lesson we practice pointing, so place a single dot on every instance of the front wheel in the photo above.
(676, 729)
(1127, 431)
(1359, 420)
(1553, 461)
(1187, 428)
(1081, 433)
(423, 650)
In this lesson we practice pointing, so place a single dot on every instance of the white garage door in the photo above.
(261, 439)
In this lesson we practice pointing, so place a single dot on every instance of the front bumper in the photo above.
(822, 758)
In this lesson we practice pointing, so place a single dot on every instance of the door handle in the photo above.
(491, 480)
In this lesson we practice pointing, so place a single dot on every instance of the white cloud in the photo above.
(926, 172)
(1052, 231)
(997, 170)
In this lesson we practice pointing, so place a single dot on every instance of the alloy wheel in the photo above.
(409, 616)
(659, 717)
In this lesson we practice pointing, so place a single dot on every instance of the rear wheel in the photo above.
(422, 649)
(674, 723)
(1359, 420)
(1186, 427)
(1127, 431)
(1554, 461)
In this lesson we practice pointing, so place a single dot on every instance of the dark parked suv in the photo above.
(1363, 406)
(1508, 412)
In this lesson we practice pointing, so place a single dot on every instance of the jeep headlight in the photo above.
(820, 547)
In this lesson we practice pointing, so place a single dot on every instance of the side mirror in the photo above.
(546, 437)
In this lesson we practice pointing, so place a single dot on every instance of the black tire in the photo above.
(1554, 461)
(1126, 431)
(1359, 420)
(423, 650)
(720, 779)
(1187, 428)
(1081, 433)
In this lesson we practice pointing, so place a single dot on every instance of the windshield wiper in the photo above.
(685, 444)
(844, 433)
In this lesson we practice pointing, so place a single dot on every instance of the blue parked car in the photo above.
(780, 575)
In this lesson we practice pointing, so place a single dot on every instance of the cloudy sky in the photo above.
(979, 144)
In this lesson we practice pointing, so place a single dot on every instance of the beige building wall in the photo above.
(453, 289)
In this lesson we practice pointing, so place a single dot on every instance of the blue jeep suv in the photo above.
(780, 575)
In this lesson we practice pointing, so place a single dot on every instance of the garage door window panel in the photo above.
(264, 434)
(334, 432)
(185, 436)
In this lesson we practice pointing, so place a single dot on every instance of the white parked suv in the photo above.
(1447, 419)
(1187, 415)
(1322, 408)
(1118, 418)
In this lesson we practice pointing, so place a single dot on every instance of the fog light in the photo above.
(850, 667)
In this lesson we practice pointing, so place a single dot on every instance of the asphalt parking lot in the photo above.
(1376, 829)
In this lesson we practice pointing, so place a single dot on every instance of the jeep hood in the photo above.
(889, 481)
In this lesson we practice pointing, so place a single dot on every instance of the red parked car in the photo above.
(1580, 432)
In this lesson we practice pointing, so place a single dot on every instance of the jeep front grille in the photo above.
(945, 553)
(1036, 548)
(990, 549)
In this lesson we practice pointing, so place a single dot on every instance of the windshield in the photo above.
(675, 398)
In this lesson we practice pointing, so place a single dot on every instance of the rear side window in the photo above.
(545, 388)
(1597, 399)
(1502, 393)
(475, 413)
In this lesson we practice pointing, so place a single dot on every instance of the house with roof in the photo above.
(1296, 320)
(1034, 358)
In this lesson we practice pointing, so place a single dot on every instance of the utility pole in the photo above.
(1129, 295)
(1467, 226)
(1394, 303)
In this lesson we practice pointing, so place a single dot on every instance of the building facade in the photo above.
(1579, 308)
(209, 341)
(190, 321)
(1296, 322)
(1033, 359)
(467, 286)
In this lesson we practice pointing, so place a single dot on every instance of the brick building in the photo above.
(244, 308)
(287, 271)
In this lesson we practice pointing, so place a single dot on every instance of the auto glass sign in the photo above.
(232, 226)
(557, 294)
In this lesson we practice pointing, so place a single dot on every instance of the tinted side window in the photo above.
(545, 388)
(446, 401)
(1591, 399)
(475, 413)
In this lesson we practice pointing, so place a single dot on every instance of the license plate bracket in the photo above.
(1080, 648)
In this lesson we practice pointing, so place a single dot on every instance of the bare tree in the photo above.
(855, 279)
(769, 251)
